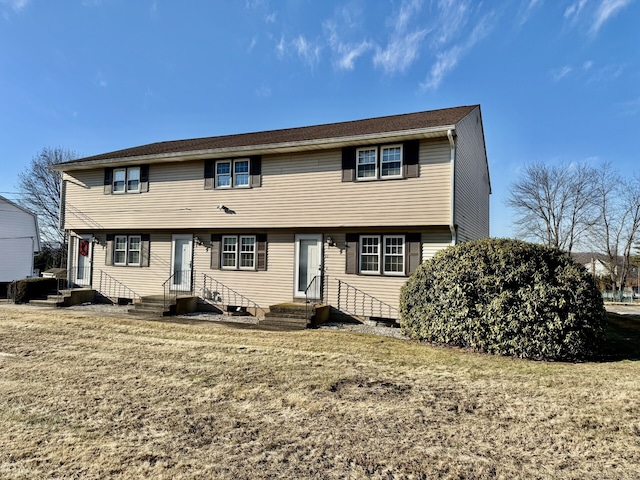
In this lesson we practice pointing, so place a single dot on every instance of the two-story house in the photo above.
(341, 212)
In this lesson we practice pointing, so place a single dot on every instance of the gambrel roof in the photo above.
(427, 124)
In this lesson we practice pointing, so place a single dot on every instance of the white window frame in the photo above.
(361, 254)
(238, 252)
(127, 249)
(248, 173)
(252, 252)
(385, 254)
(375, 163)
(382, 254)
(382, 162)
(127, 178)
(234, 252)
(218, 176)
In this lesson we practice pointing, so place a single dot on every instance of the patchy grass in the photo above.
(88, 396)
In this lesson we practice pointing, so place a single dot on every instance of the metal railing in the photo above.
(314, 288)
(111, 288)
(356, 302)
(222, 295)
(620, 296)
(179, 283)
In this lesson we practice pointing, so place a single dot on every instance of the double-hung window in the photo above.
(127, 250)
(232, 173)
(239, 252)
(391, 162)
(367, 163)
(126, 180)
(382, 254)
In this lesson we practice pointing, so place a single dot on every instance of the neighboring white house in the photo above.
(19, 240)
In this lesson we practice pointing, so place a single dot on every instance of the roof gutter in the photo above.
(451, 135)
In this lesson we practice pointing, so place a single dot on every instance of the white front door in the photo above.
(181, 250)
(83, 257)
(308, 266)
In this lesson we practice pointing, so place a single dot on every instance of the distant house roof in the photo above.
(431, 123)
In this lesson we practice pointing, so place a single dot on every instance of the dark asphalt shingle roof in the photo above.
(409, 121)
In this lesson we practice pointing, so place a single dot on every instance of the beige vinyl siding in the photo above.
(269, 287)
(434, 242)
(297, 190)
(472, 179)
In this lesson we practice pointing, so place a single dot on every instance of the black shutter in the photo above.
(209, 174)
(352, 246)
(108, 260)
(349, 164)
(413, 252)
(108, 180)
(261, 251)
(144, 250)
(216, 240)
(144, 178)
(255, 168)
(411, 160)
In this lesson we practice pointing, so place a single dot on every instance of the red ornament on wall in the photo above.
(84, 248)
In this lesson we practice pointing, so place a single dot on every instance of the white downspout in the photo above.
(452, 225)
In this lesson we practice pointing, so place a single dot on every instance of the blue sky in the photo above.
(558, 81)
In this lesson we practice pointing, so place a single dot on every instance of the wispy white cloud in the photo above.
(606, 73)
(587, 65)
(345, 52)
(574, 9)
(270, 17)
(606, 10)
(307, 50)
(101, 80)
(15, 5)
(404, 47)
(263, 92)
(527, 10)
(559, 73)
(631, 108)
(448, 59)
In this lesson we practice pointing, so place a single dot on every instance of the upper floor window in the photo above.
(381, 162)
(126, 179)
(234, 173)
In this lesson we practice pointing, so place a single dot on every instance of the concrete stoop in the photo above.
(154, 306)
(66, 298)
(294, 315)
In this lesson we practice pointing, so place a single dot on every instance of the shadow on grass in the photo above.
(622, 338)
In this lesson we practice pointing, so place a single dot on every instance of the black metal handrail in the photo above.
(111, 287)
(221, 294)
(315, 285)
(356, 302)
(179, 283)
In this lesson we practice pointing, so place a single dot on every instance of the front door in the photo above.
(181, 266)
(308, 266)
(83, 257)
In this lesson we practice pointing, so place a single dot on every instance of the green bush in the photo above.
(31, 288)
(505, 297)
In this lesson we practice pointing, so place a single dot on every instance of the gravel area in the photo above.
(351, 327)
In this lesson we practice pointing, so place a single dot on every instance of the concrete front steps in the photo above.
(154, 306)
(66, 298)
(294, 315)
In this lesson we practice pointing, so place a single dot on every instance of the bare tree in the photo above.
(39, 188)
(554, 204)
(618, 225)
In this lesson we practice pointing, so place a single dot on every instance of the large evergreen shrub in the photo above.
(505, 297)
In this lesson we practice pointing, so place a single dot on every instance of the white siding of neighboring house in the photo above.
(19, 240)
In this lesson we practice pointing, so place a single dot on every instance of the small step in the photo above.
(47, 303)
(288, 323)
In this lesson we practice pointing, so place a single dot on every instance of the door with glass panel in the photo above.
(308, 265)
(181, 262)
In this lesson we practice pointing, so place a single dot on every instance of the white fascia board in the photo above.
(266, 149)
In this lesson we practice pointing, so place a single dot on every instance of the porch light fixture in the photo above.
(201, 243)
(330, 241)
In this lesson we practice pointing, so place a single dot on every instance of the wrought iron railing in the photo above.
(312, 292)
(179, 283)
(111, 288)
(356, 302)
(222, 295)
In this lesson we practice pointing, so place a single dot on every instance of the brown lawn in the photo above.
(90, 396)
